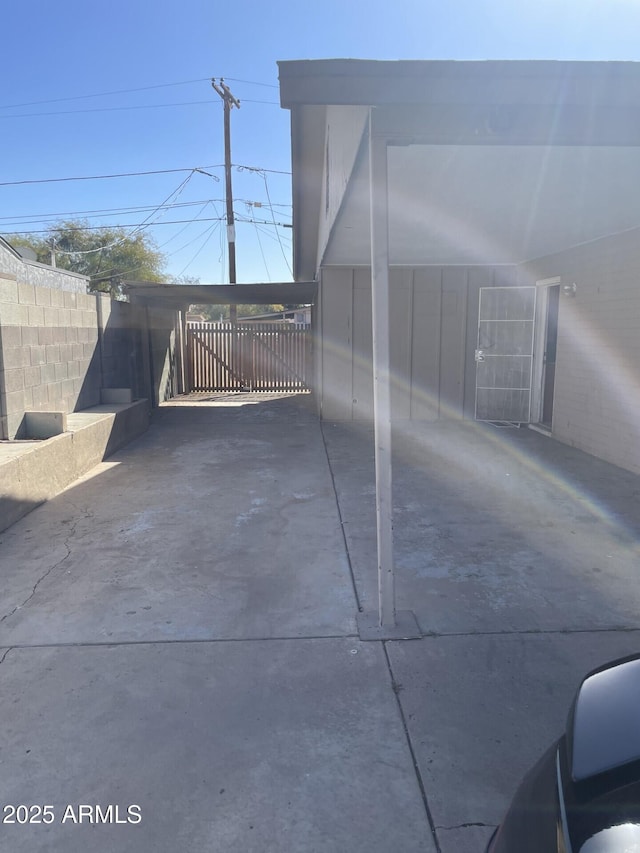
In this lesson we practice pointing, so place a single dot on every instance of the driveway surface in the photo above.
(178, 641)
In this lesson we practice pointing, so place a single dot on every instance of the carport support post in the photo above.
(386, 623)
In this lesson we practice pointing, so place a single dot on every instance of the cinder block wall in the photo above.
(162, 353)
(48, 340)
(597, 385)
(59, 345)
(123, 346)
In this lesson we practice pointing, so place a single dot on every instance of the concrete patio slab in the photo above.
(215, 524)
(179, 632)
(495, 529)
(241, 747)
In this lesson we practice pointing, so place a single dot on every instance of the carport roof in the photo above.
(490, 162)
(177, 296)
(437, 81)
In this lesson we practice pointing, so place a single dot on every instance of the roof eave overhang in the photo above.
(371, 83)
(490, 103)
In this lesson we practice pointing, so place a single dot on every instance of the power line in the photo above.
(128, 91)
(284, 255)
(252, 82)
(101, 177)
(129, 108)
(266, 222)
(59, 218)
(138, 225)
(184, 228)
(259, 204)
(136, 229)
(209, 228)
(112, 109)
(239, 167)
(189, 242)
(264, 260)
(204, 243)
(153, 224)
(266, 231)
(259, 169)
(253, 101)
(102, 94)
(96, 213)
(162, 208)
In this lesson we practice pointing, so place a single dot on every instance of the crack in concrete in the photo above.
(412, 753)
(44, 576)
(86, 512)
(10, 649)
(614, 629)
(193, 641)
(467, 825)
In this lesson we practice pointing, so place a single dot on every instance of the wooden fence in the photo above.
(256, 357)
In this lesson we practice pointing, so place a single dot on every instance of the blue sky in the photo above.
(56, 55)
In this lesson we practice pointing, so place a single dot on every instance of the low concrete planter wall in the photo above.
(33, 472)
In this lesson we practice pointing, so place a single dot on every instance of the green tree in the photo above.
(108, 256)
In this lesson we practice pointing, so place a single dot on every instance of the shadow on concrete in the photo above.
(12, 509)
(218, 523)
(495, 529)
(519, 556)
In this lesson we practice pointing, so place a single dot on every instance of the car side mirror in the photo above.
(603, 728)
(583, 795)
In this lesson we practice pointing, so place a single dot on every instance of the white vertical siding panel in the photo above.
(337, 344)
(362, 345)
(400, 289)
(453, 341)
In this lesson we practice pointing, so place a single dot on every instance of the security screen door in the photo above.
(504, 356)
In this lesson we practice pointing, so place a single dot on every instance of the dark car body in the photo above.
(583, 795)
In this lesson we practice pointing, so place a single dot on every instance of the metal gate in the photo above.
(504, 357)
(255, 357)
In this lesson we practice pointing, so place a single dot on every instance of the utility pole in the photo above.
(229, 102)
